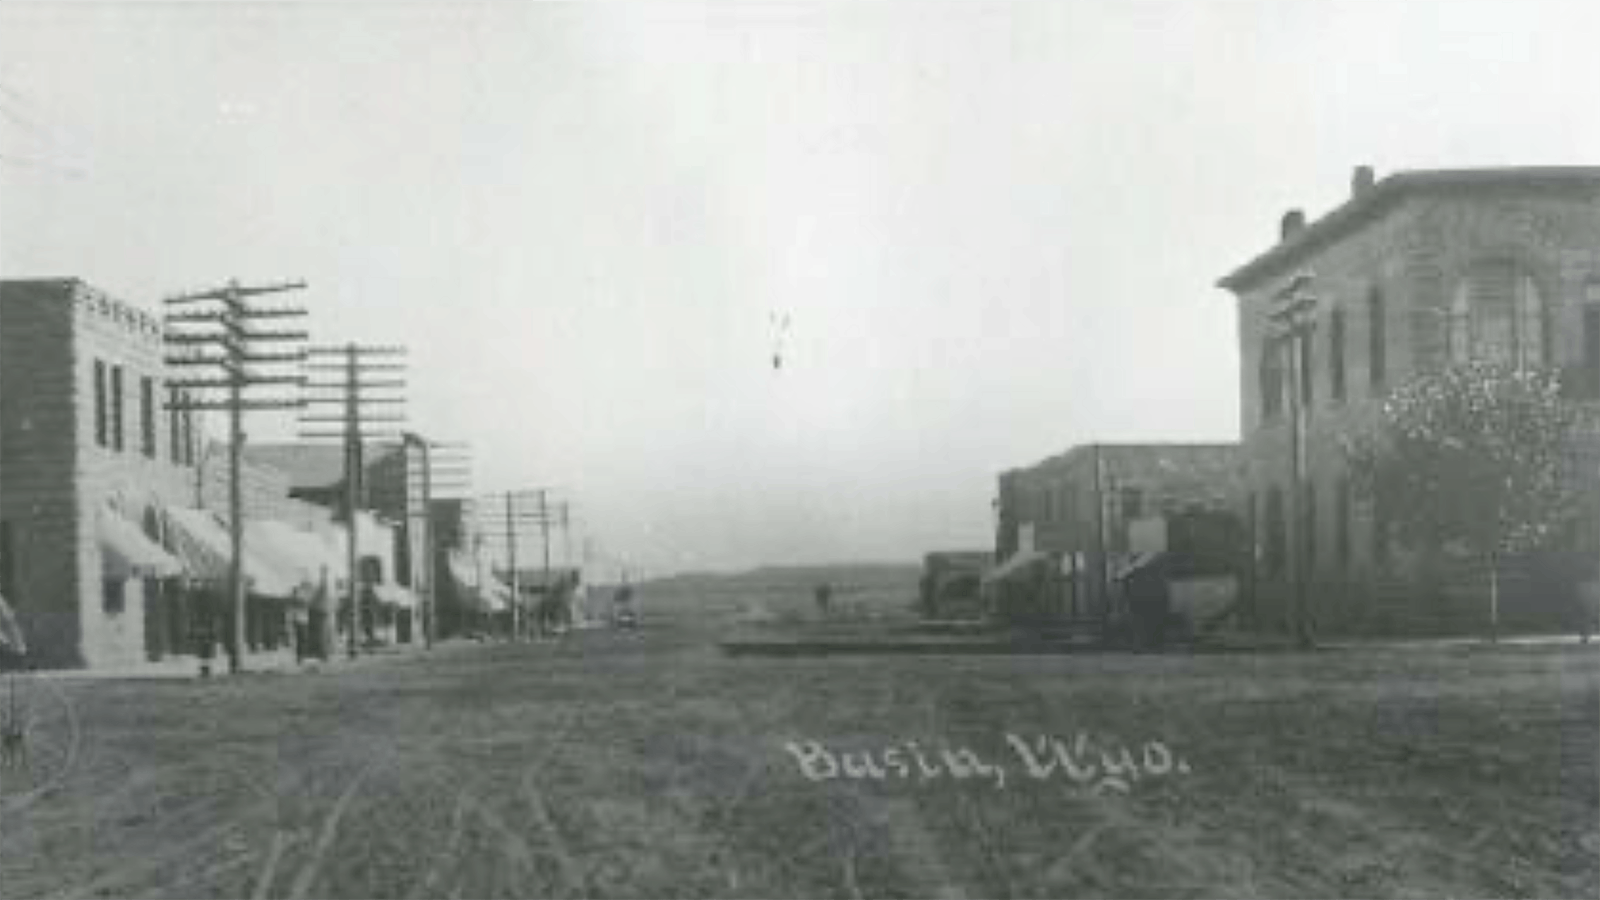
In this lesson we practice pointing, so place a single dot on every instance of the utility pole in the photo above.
(1294, 317)
(443, 474)
(544, 534)
(356, 392)
(1101, 571)
(440, 476)
(516, 588)
(515, 513)
(242, 347)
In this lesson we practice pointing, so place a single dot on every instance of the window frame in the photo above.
(102, 421)
(1336, 353)
(147, 416)
(1377, 339)
(118, 432)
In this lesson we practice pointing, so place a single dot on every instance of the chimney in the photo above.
(1361, 181)
(1294, 221)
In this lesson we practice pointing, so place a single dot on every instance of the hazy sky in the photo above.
(995, 227)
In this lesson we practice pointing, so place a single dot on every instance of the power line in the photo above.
(356, 393)
(238, 348)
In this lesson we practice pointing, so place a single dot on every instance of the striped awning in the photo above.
(206, 549)
(125, 552)
(11, 637)
(397, 596)
(1018, 564)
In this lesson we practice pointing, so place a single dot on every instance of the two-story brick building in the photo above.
(1085, 510)
(114, 549)
(1410, 274)
(89, 456)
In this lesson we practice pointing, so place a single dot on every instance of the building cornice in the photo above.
(1383, 195)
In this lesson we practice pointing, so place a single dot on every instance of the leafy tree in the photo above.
(1471, 456)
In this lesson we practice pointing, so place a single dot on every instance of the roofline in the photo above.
(1077, 450)
(1387, 192)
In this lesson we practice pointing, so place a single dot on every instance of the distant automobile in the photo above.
(623, 614)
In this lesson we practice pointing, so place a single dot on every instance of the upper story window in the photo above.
(1270, 376)
(116, 408)
(1132, 503)
(1377, 339)
(1308, 369)
(147, 417)
(1591, 350)
(1497, 315)
(175, 426)
(101, 433)
(1336, 354)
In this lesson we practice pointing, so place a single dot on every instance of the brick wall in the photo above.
(264, 490)
(37, 465)
(1057, 497)
(58, 479)
(1413, 253)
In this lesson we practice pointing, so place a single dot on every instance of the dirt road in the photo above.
(645, 764)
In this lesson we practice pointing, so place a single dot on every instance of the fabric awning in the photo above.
(206, 549)
(1016, 565)
(303, 555)
(489, 592)
(11, 637)
(125, 552)
(497, 594)
(394, 595)
(1133, 562)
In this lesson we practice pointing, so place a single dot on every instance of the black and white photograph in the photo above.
(799, 448)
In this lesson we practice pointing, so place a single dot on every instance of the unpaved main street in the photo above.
(646, 764)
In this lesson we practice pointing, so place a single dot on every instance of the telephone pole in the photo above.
(512, 508)
(443, 473)
(359, 390)
(222, 325)
(1294, 319)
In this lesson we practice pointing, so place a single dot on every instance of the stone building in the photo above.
(1085, 510)
(1411, 273)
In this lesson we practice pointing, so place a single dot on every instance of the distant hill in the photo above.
(864, 589)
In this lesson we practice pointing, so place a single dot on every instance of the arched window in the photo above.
(1497, 315)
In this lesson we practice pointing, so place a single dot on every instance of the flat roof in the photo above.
(1386, 192)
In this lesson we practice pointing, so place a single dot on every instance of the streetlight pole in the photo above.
(1295, 317)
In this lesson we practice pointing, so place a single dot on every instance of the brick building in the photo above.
(89, 456)
(114, 546)
(1090, 507)
(1411, 273)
